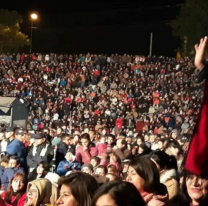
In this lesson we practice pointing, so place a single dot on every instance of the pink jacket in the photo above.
(102, 148)
(85, 156)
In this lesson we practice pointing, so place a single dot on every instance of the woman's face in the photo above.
(32, 195)
(40, 169)
(66, 198)
(106, 198)
(17, 184)
(135, 179)
(139, 141)
(197, 188)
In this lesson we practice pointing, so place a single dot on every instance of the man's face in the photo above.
(12, 163)
(39, 141)
(67, 140)
(20, 137)
(120, 143)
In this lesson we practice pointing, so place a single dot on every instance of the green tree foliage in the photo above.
(11, 39)
(191, 24)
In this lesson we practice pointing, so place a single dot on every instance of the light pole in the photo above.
(33, 17)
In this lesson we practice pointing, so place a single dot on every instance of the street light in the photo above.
(33, 17)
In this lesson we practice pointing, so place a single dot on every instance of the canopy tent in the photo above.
(6, 103)
(13, 111)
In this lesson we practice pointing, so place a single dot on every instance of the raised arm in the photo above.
(200, 51)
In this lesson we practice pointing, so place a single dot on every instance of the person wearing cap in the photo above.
(39, 151)
(16, 147)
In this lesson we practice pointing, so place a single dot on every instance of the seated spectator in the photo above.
(143, 173)
(13, 167)
(87, 168)
(95, 161)
(101, 146)
(121, 149)
(41, 192)
(15, 195)
(167, 167)
(77, 189)
(39, 172)
(67, 165)
(112, 169)
(113, 177)
(101, 170)
(118, 193)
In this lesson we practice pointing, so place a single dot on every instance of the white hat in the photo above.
(53, 178)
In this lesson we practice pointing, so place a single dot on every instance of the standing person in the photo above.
(196, 161)
(39, 151)
(195, 179)
(15, 195)
(86, 150)
(16, 147)
(62, 148)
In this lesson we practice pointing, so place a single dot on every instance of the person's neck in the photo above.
(194, 203)
(11, 138)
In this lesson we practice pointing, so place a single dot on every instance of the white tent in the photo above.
(5, 105)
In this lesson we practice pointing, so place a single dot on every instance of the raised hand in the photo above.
(200, 51)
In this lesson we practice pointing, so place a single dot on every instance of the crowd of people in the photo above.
(101, 129)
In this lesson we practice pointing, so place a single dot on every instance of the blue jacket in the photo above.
(62, 171)
(8, 174)
(17, 148)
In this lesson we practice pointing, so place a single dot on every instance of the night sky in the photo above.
(100, 26)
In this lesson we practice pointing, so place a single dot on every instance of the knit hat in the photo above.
(88, 165)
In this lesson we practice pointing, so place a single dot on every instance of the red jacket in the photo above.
(20, 202)
(85, 156)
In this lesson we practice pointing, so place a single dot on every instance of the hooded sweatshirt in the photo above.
(47, 193)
